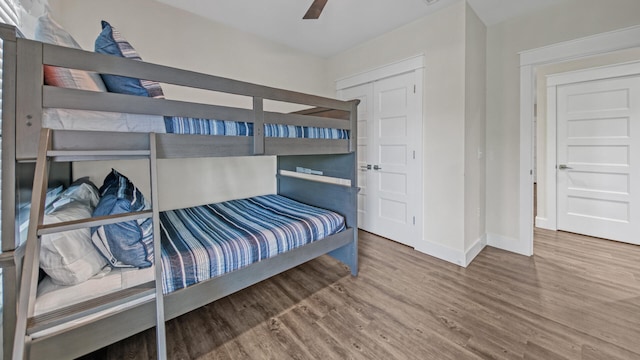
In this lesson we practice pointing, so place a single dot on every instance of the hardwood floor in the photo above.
(577, 298)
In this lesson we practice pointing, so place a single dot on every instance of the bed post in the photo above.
(9, 35)
(336, 197)
(353, 121)
(258, 126)
(29, 87)
(349, 254)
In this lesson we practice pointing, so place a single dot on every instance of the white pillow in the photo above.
(82, 190)
(69, 257)
(49, 31)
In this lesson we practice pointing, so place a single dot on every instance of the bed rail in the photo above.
(34, 55)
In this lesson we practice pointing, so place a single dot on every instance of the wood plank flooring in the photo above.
(577, 298)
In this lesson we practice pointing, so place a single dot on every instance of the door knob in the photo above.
(564, 167)
(376, 167)
(365, 167)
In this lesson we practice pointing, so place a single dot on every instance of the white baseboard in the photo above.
(454, 256)
(475, 249)
(442, 252)
(543, 223)
(464, 258)
(508, 243)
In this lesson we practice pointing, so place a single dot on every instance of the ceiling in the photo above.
(343, 23)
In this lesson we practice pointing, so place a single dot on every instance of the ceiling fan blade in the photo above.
(315, 10)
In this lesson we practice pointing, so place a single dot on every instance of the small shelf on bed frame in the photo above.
(314, 177)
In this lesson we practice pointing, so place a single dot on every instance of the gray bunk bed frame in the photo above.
(24, 98)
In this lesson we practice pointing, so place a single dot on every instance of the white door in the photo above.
(389, 141)
(598, 176)
(364, 93)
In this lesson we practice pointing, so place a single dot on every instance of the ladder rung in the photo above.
(97, 153)
(91, 222)
(7, 258)
(76, 311)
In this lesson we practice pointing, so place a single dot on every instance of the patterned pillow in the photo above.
(111, 42)
(49, 31)
(129, 243)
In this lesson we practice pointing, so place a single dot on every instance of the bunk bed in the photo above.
(36, 157)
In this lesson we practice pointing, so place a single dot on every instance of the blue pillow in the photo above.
(111, 42)
(123, 244)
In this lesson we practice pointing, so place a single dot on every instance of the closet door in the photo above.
(364, 93)
(395, 174)
(389, 148)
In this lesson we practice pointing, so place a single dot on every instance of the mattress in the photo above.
(107, 121)
(181, 125)
(203, 242)
(206, 241)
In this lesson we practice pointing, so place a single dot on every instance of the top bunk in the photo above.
(324, 126)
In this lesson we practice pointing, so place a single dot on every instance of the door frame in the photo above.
(599, 44)
(385, 71)
(414, 64)
(566, 78)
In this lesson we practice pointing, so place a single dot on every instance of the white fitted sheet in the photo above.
(51, 297)
(101, 121)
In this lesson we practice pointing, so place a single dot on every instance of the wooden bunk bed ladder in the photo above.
(27, 323)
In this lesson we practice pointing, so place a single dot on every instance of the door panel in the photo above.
(598, 138)
(389, 135)
(364, 93)
(390, 141)
(395, 179)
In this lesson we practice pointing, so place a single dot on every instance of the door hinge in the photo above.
(414, 154)
(414, 220)
(414, 89)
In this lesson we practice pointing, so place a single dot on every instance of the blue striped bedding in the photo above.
(183, 125)
(206, 241)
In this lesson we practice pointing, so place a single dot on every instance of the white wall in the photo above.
(173, 37)
(475, 124)
(216, 180)
(570, 20)
(441, 38)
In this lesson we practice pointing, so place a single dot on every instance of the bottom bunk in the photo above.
(112, 326)
(208, 252)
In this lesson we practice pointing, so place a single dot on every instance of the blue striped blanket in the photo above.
(183, 125)
(206, 241)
